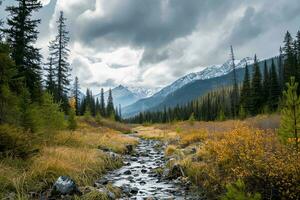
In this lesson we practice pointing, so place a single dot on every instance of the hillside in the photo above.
(192, 89)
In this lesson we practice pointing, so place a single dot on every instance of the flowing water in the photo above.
(139, 179)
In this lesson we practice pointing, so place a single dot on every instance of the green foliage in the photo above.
(221, 116)
(256, 90)
(290, 113)
(237, 191)
(98, 117)
(53, 118)
(192, 119)
(14, 142)
(72, 120)
(21, 35)
(87, 114)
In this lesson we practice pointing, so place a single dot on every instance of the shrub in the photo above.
(53, 118)
(237, 191)
(14, 142)
(72, 120)
(257, 157)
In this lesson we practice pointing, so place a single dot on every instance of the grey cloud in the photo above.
(149, 23)
(117, 66)
(108, 83)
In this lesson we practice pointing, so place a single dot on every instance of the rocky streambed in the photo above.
(144, 175)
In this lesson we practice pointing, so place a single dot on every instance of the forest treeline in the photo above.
(260, 92)
(37, 95)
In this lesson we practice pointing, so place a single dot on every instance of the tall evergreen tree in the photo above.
(102, 104)
(21, 36)
(235, 87)
(256, 89)
(274, 88)
(280, 69)
(76, 94)
(289, 58)
(246, 92)
(266, 84)
(110, 105)
(290, 114)
(60, 52)
(50, 77)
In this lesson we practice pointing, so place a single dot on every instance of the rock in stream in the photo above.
(138, 178)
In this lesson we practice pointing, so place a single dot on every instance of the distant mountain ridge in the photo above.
(210, 72)
(125, 96)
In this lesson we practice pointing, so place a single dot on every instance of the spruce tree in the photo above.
(280, 69)
(266, 84)
(21, 36)
(235, 87)
(8, 101)
(256, 89)
(102, 104)
(274, 88)
(289, 58)
(246, 93)
(50, 77)
(290, 114)
(110, 105)
(59, 52)
(76, 94)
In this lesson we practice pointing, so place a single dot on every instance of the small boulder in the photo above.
(65, 186)
(127, 172)
(129, 148)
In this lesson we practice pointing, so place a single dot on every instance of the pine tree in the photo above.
(21, 36)
(256, 89)
(289, 58)
(110, 105)
(120, 111)
(235, 87)
(102, 104)
(290, 114)
(76, 94)
(8, 101)
(59, 52)
(266, 84)
(280, 70)
(274, 88)
(246, 92)
(50, 77)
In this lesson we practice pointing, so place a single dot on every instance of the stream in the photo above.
(139, 179)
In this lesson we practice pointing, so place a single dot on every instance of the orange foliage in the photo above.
(253, 155)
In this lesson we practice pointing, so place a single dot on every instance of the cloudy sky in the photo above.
(151, 43)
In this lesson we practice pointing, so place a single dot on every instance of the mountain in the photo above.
(198, 88)
(121, 96)
(142, 92)
(212, 72)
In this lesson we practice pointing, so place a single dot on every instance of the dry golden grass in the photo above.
(150, 132)
(75, 154)
(249, 150)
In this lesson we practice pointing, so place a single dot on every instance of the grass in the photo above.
(72, 153)
(232, 150)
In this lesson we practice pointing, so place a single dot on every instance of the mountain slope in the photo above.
(206, 74)
(121, 96)
(198, 88)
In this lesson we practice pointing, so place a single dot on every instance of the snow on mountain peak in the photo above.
(142, 92)
(207, 73)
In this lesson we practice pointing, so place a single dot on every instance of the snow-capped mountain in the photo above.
(207, 73)
(121, 96)
(141, 92)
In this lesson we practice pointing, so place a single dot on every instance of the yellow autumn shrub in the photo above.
(255, 156)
